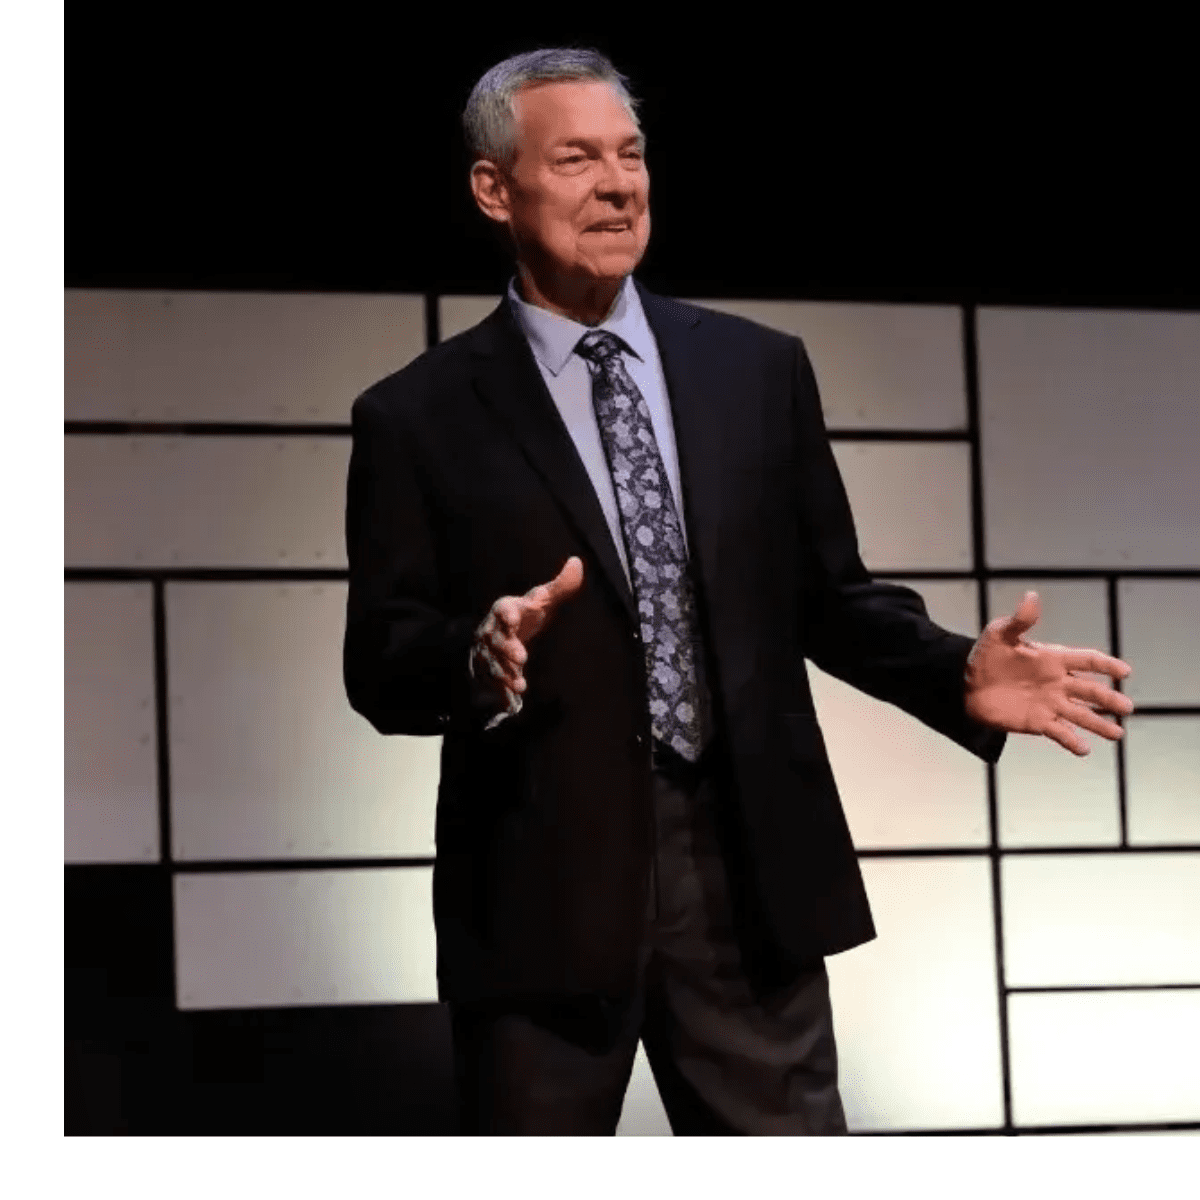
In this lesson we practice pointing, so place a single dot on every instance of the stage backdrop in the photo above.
(250, 945)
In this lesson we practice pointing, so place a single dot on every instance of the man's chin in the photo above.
(612, 268)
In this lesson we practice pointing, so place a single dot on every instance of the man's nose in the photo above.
(612, 180)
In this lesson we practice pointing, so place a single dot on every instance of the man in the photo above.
(591, 542)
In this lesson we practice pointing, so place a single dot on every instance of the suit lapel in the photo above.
(507, 378)
(697, 416)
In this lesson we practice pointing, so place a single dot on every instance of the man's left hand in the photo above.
(1031, 687)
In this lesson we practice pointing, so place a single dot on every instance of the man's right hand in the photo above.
(502, 638)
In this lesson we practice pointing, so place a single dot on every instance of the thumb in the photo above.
(1024, 618)
(567, 582)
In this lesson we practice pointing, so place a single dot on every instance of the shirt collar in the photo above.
(553, 338)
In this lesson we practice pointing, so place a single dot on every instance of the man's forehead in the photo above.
(559, 107)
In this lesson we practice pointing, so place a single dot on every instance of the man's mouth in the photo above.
(609, 227)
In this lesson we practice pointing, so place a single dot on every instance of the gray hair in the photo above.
(490, 121)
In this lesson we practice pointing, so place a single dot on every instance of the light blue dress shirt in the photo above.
(553, 340)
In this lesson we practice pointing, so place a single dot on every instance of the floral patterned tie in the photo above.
(680, 713)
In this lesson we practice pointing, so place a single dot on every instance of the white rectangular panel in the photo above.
(1090, 425)
(285, 938)
(206, 501)
(231, 356)
(110, 767)
(457, 314)
(1162, 779)
(878, 366)
(1091, 919)
(1046, 796)
(1094, 1058)
(911, 503)
(916, 1011)
(268, 758)
(1160, 639)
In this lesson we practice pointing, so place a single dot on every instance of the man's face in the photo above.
(579, 167)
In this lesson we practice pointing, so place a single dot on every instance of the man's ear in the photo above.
(490, 190)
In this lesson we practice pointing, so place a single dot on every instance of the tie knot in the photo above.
(600, 346)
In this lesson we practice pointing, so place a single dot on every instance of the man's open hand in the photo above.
(502, 638)
(1030, 687)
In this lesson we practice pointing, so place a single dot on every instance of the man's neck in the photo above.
(589, 304)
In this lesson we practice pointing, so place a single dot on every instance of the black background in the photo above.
(324, 152)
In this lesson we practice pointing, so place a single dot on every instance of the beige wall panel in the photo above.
(268, 759)
(1045, 795)
(287, 938)
(205, 501)
(951, 603)
(456, 314)
(642, 1114)
(231, 356)
(916, 1010)
(1160, 639)
(902, 784)
(911, 504)
(1090, 433)
(878, 366)
(110, 764)
(1094, 1058)
(1162, 779)
(1095, 919)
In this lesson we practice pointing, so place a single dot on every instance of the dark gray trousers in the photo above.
(724, 1061)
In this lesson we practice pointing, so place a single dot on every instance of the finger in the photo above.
(1094, 661)
(1086, 719)
(1059, 731)
(499, 666)
(507, 613)
(1099, 694)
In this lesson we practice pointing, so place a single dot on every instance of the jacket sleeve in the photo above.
(406, 660)
(875, 636)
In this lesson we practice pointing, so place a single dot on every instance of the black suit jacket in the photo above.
(464, 485)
